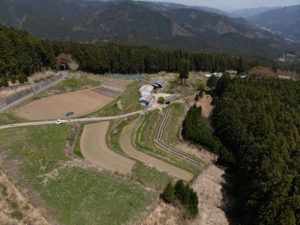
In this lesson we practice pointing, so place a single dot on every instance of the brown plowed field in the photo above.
(81, 102)
(95, 150)
(126, 145)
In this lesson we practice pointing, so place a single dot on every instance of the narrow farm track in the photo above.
(126, 145)
(95, 150)
(159, 137)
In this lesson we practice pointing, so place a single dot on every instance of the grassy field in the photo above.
(76, 149)
(72, 195)
(145, 142)
(129, 100)
(9, 118)
(149, 176)
(74, 83)
(171, 136)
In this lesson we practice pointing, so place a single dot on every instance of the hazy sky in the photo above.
(234, 4)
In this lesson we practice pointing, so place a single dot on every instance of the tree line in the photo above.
(114, 58)
(182, 193)
(22, 54)
(258, 123)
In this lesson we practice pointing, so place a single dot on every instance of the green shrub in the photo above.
(161, 100)
(13, 79)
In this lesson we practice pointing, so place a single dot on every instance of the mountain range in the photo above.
(282, 21)
(163, 25)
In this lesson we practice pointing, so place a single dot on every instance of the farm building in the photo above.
(218, 75)
(158, 83)
(146, 95)
(231, 72)
(171, 98)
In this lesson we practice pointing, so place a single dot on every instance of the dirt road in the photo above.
(95, 150)
(126, 145)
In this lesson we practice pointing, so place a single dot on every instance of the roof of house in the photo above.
(158, 81)
(147, 98)
(147, 87)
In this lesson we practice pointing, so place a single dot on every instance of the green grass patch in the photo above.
(150, 176)
(172, 130)
(129, 100)
(145, 142)
(74, 83)
(72, 195)
(141, 173)
(113, 137)
(77, 149)
(9, 118)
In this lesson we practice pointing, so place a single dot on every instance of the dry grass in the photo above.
(15, 207)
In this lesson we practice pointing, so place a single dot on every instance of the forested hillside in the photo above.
(21, 53)
(258, 120)
(283, 21)
(159, 25)
(128, 59)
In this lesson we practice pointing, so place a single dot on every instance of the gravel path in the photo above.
(126, 145)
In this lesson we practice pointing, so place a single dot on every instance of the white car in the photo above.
(59, 121)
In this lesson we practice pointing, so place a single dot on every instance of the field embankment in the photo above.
(126, 145)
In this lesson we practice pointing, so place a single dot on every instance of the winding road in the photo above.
(81, 120)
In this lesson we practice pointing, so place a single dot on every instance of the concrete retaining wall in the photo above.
(20, 96)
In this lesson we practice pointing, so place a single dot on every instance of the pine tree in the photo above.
(168, 194)
(193, 203)
(212, 82)
(179, 190)
(183, 69)
(187, 195)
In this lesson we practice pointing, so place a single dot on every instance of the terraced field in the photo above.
(95, 150)
(159, 137)
(126, 145)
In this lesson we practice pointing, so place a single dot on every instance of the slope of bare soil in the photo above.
(15, 207)
(126, 145)
(95, 150)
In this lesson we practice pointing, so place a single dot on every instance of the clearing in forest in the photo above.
(126, 145)
(95, 150)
